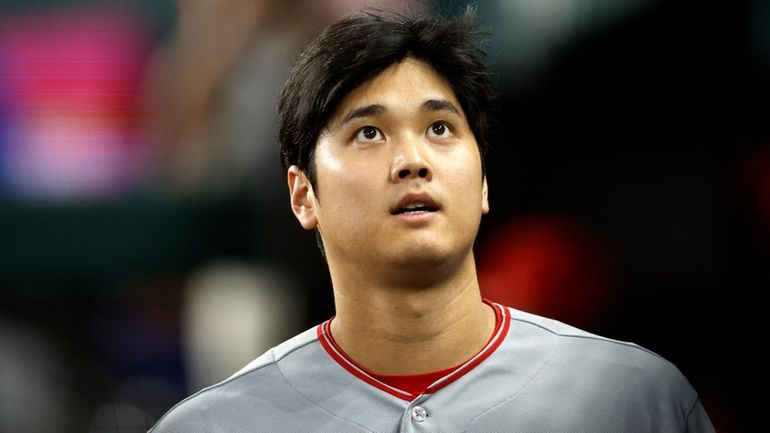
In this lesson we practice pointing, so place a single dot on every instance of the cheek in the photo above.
(345, 188)
(463, 172)
(347, 192)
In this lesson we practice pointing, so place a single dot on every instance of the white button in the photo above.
(419, 413)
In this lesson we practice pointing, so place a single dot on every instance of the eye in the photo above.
(439, 129)
(369, 133)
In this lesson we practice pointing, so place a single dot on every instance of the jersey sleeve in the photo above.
(181, 421)
(698, 421)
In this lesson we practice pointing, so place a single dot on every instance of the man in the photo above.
(382, 124)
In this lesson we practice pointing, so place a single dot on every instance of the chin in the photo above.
(422, 256)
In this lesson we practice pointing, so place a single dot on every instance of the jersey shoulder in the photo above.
(631, 365)
(252, 396)
(575, 380)
(579, 340)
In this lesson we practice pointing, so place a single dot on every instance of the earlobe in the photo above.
(484, 197)
(302, 198)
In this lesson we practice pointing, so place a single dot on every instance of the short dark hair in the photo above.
(356, 49)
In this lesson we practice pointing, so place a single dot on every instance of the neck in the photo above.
(392, 328)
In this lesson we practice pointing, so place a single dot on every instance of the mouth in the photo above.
(413, 204)
(413, 209)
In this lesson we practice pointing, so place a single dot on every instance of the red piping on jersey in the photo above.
(498, 335)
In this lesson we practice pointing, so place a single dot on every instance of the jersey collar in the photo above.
(502, 321)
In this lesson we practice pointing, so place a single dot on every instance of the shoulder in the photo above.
(593, 360)
(573, 380)
(254, 393)
(576, 342)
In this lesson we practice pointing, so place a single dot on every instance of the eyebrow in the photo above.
(366, 111)
(377, 109)
(439, 105)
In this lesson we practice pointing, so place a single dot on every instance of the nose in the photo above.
(410, 163)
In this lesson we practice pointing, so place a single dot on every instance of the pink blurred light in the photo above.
(72, 91)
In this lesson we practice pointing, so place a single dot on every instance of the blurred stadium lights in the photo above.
(71, 101)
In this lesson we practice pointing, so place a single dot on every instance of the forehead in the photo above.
(405, 85)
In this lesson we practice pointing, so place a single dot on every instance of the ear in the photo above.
(303, 201)
(484, 197)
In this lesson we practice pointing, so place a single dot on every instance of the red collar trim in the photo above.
(498, 335)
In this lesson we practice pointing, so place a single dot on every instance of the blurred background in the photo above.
(147, 248)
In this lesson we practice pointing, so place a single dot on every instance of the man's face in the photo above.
(398, 174)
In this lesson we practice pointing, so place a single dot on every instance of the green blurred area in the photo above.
(98, 241)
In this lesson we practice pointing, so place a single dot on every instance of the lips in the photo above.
(415, 203)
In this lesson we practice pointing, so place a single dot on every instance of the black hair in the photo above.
(356, 49)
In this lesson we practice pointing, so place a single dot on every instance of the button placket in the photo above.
(419, 413)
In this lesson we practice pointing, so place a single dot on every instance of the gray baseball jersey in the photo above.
(534, 375)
